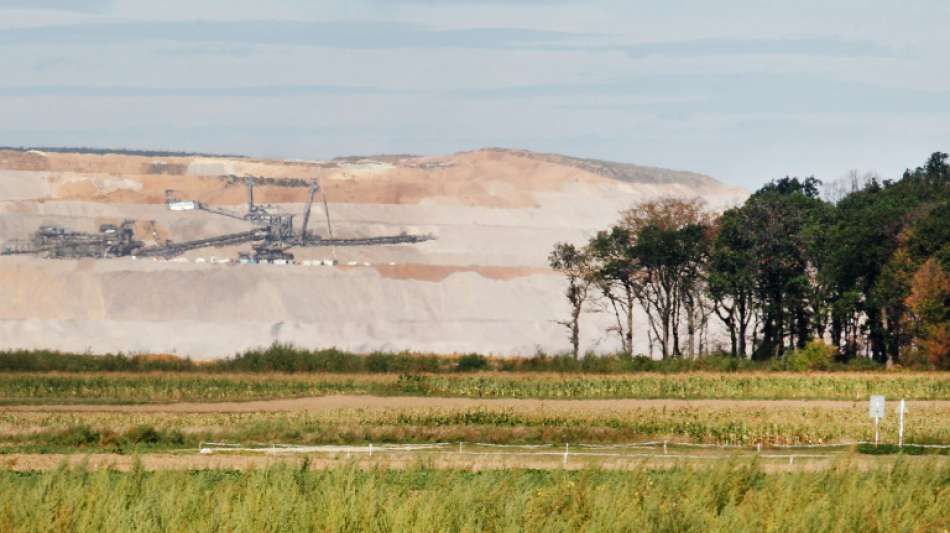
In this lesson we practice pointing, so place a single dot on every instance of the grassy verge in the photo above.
(742, 425)
(290, 359)
(908, 449)
(175, 387)
(729, 497)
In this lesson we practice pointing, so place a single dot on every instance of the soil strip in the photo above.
(367, 402)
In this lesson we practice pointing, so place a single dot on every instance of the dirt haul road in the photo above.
(475, 461)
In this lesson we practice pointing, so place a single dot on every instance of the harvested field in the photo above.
(319, 403)
(362, 419)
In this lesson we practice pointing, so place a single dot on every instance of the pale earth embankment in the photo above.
(482, 286)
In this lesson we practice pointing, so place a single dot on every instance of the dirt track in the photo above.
(195, 461)
(354, 402)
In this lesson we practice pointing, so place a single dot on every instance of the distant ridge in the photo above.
(627, 172)
(116, 151)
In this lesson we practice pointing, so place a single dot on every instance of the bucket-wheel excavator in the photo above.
(272, 236)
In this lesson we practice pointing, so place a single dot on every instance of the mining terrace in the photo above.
(469, 273)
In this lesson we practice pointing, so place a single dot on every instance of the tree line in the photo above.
(868, 274)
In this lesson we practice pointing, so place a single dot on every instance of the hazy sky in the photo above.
(744, 90)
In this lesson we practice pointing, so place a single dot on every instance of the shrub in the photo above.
(916, 358)
(937, 345)
(77, 436)
(143, 434)
(472, 362)
(816, 355)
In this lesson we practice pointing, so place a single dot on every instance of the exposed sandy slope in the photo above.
(483, 285)
(375, 402)
(488, 178)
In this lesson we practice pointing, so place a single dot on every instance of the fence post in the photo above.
(900, 428)
(566, 451)
(371, 449)
(664, 447)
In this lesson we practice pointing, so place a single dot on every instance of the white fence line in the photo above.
(596, 450)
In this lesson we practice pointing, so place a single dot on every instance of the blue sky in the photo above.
(742, 90)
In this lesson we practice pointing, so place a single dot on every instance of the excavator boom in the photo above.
(314, 187)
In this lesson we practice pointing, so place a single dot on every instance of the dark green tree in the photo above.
(670, 259)
(870, 227)
(731, 277)
(776, 219)
(616, 273)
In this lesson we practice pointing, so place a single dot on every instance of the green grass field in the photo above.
(728, 497)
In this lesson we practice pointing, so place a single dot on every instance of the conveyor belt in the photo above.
(178, 248)
(367, 241)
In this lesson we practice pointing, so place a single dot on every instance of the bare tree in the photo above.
(574, 264)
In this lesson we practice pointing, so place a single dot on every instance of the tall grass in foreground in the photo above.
(728, 497)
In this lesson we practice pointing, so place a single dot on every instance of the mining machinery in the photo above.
(271, 239)
(59, 242)
(305, 239)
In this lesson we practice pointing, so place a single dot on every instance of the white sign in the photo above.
(876, 407)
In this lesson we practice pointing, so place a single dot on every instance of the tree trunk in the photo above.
(631, 302)
(576, 331)
(741, 340)
(836, 332)
(733, 345)
(743, 326)
(876, 335)
(802, 323)
(666, 335)
(778, 348)
(691, 331)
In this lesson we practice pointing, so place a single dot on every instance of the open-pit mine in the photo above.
(205, 256)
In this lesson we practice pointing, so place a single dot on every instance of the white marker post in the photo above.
(901, 409)
(876, 410)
